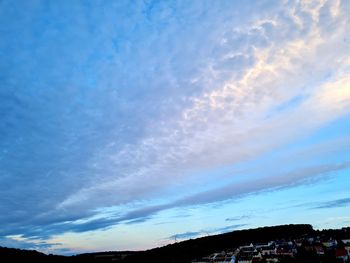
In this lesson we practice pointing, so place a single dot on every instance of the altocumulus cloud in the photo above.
(124, 107)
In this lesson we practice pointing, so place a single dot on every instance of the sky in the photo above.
(126, 125)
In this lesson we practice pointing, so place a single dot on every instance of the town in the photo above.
(307, 248)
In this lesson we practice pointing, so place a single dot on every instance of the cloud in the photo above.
(230, 115)
(236, 191)
(226, 228)
(187, 235)
(334, 203)
(238, 218)
(12, 242)
(127, 107)
(264, 184)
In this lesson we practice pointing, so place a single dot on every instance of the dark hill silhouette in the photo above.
(184, 251)
(21, 255)
(195, 248)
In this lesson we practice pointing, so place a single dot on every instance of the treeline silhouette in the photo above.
(184, 251)
(21, 255)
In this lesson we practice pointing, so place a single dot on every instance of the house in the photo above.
(286, 250)
(346, 241)
(316, 248)
(259, 245)
(330, 243)
(342, 254)
(268, 250)
(222, 257)
(249, 257)
(249, 247)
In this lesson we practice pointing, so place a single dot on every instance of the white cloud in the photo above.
(227, 123)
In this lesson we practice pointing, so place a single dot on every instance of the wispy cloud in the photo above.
(334, 203)
(238, 218)
(15, 242)
(185, 235)
(121, 107)
(207, 231)
(236, 191)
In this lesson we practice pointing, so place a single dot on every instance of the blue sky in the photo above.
(127, 124)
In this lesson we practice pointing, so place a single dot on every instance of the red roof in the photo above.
(341, 253)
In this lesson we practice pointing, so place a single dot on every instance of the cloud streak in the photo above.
(208, 231)
(237, 218)
(334, 203)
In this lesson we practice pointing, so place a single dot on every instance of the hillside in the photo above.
(189, 250)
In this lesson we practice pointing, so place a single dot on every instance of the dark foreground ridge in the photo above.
(286, 243)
